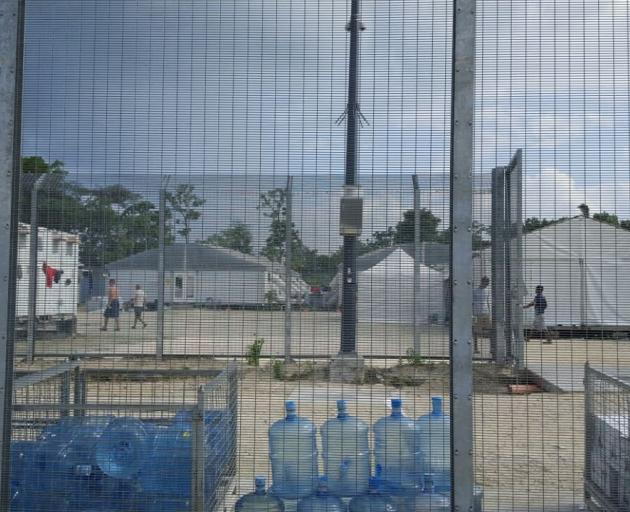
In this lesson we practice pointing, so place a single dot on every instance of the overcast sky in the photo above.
(247, 87)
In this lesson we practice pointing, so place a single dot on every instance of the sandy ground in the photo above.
(528, 449)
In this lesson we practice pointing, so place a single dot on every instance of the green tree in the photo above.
(534, 223)
(428, 227)
(625, 224)
(185, 205)
(607, 218)
(237, 237)
(273, 205)
(585, 210)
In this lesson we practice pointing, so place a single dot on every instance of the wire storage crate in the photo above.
(127, 440)
(607, 440)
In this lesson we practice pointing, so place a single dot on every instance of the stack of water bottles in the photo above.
(412, 462)
(108, 464)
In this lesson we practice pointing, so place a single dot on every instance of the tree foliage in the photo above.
(185, 205)
(237, 237)
(607, 218)
(112, 222)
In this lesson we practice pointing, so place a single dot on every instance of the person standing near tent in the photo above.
(138, 307)
(113, 306)
(540, 305)
(481, 311)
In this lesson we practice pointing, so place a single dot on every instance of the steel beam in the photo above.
(159, 345)
(461, 159)
(416, 265)
(497, 276)
(33, 267)
(11, 47)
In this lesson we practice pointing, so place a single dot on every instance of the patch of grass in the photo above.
(414, 358)
(277, 368)
(254, 351)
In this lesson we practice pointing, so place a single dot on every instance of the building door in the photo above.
(184, 287)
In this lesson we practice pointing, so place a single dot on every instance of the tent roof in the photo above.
(578, 237)
(197, 257)
(434, 254)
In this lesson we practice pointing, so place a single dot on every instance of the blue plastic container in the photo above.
(321, 501)
(65, 460)
(346, 453)
(375, 500)
(397, 452)
(168, 469)
(259, 500)
(427, 501)
(293, 454)
(123, 448)
(434, 441)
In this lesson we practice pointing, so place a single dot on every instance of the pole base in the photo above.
(347, 368)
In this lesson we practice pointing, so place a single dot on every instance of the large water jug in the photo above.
(434, 440)
(123, 448)
(259, 500)
(396, 450)
(293, 454)
(65, 461)
(346, 453)
(169, 467)
(321, 501)
(376, 500)
(428, 500)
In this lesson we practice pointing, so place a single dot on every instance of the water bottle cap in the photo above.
(396, 403)
(260, 481)
(342, 405)
(374, 482)
(291, 406)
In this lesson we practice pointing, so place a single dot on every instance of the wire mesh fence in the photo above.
(309, 193)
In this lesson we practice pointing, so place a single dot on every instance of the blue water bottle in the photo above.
(428, 500)
(259, 500)
(293, 454)
(321, 501)
(397, 452)
(123, 448)
(346, 453)
(434, 440)
(375, 500)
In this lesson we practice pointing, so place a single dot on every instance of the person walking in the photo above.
(540, 305)
(113, 306)
(138, 307)
(481, 312)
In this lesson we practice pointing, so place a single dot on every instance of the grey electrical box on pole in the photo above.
(287, 271)
(461, 160)
(11, 47)
(416, 265)
(159, 346)
(33, 267)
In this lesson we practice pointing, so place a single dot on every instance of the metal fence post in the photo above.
(287, 271)
(416, 264)
(515, 193)
(198, 455)
(461, 158)
(32, 272)
(497, 276)
(159, 345)
(11, 44)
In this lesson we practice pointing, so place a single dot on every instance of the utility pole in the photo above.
(287, 272)
(416, 265)
(347, 366)
(32, 272)
(159, 346)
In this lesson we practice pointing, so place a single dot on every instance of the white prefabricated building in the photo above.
(583, 265)
(60, 250)
(386, 288)
(204, 274)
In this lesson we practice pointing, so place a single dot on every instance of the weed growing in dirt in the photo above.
(254, 351)
(414, 358)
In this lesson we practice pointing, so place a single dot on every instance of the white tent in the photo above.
(386, 289)
(584, 266)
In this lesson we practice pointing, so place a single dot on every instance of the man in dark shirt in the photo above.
(540, 305)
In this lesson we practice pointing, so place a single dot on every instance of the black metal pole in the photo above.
(349, 288)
